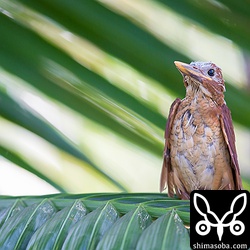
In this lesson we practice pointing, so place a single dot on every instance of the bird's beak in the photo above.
(188, 70)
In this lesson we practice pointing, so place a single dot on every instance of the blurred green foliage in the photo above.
(98, 62)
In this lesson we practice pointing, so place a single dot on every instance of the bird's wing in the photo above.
(166, 172)
(228, 132)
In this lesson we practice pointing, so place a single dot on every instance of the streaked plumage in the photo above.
(200, 148)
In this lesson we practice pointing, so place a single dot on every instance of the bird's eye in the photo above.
(211, 72)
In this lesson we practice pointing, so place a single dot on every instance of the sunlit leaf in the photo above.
(14, 158)
(111, 63)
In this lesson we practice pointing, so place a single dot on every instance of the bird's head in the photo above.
(205, 77)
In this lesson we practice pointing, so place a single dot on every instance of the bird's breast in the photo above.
(196, 142)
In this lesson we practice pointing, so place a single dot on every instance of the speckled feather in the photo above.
(200, 148)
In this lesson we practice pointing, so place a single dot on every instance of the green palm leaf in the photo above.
(165, 233)
(56, 229)
(18, 229)
(88, 221)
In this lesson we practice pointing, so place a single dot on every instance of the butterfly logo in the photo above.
(236, 227)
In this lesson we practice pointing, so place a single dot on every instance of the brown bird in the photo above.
(200, 148)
